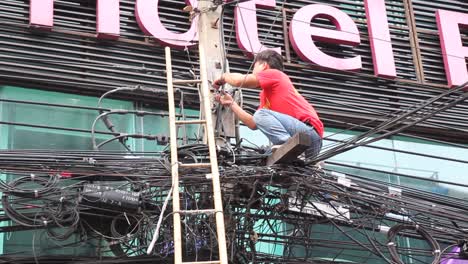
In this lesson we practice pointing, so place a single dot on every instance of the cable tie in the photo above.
(61, 199)
(391, 244)
(90, 161)
(36, 194)
(416, 227)
(33, 176)
(437, 251)
(44, 222)
(384, 229)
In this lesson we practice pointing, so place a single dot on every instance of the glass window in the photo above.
(53, 128)
(388, 160)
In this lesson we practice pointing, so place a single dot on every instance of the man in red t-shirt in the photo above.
(283, 112)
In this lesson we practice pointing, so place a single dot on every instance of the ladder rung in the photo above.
(203, 262)
(188, 122)
(185, 81)
(195, 165)
(202, 211)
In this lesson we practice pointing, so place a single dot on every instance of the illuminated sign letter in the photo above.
(108, 19)
(380, 41)
(453, 51)
(147, 16)
(246, 26)
(300, 33)
(41, 14)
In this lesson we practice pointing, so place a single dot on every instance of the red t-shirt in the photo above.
(278, 94)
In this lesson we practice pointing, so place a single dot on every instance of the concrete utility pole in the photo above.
(211, 55)
(210, 41)
(211, 60)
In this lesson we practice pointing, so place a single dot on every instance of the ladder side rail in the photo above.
(174, 160)
(218, 204)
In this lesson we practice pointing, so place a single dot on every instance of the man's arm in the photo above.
(243, 116)
(238, 80)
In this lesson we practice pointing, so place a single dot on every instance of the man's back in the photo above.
(278, 94)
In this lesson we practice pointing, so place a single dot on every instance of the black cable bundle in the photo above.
(47, 183)
(392, 247)
(20, 204)
(12, 189)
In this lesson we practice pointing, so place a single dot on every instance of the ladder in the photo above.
(207, 122)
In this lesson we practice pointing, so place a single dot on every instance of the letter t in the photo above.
(453, 51)
(246, 26)
(41, 14)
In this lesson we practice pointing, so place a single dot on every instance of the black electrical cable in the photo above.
(354, 142)
(396, 229)
(266, 213)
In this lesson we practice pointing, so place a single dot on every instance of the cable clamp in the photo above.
(384, 229)
(342, 180)
(90, 161)
(337, 174)
(393, 191)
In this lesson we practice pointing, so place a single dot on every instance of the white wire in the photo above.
(156, 231)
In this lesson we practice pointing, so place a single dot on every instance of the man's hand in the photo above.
(237, 80)
(219, 82)
(225, 99)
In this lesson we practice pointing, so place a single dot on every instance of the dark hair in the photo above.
(272, 58)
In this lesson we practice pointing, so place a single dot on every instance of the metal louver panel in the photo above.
(71, 58)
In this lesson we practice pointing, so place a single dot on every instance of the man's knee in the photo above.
(262, 115)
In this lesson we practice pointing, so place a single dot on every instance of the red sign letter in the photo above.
(108, 19)
(453, 51)
(41, 14)
(246, 26)
(300, 33)
(147, 15)
(380, 41)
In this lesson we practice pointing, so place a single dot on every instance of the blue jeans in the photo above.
(280, 127)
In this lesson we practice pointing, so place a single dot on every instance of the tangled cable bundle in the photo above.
(392, 247)
(280, 213)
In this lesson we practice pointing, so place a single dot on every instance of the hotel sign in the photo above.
(303, 36)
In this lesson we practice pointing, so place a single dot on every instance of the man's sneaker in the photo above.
(274, 148)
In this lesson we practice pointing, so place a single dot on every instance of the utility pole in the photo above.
(210, 44)
(212, 59)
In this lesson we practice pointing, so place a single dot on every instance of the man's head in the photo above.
(268, 59)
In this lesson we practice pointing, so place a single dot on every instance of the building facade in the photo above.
(360, 62)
